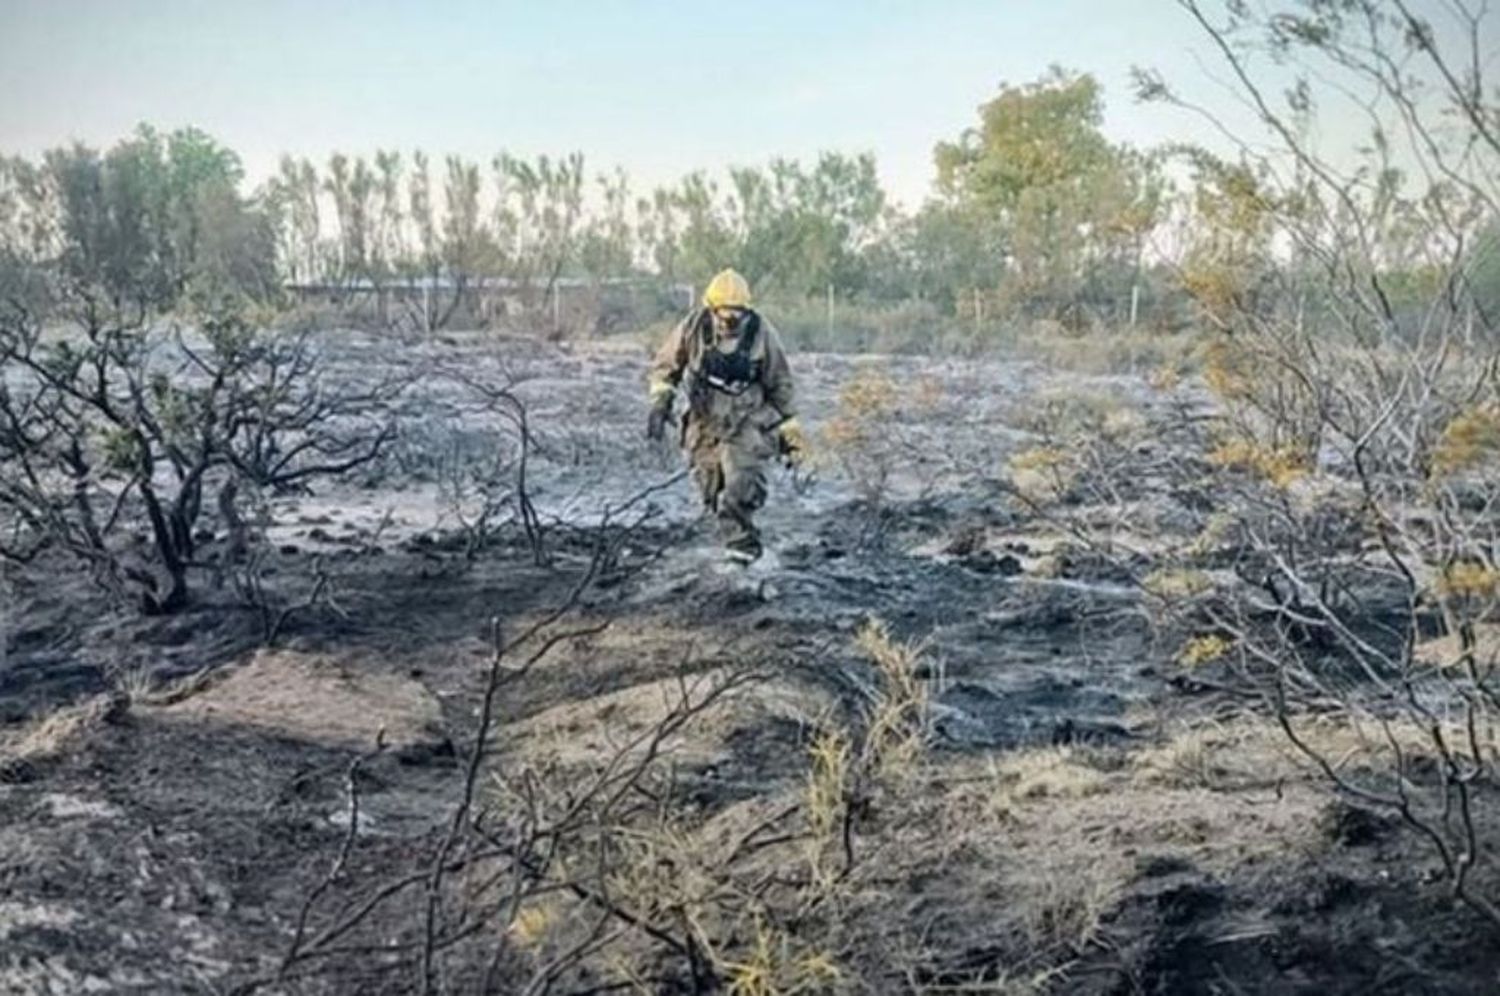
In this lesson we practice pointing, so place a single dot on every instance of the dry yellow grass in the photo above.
(896, 730)
(778, 964)
(1061, 832)
(1109, 352)
(823, 795)
(1177, 583)
(1047, 841)
(1215, 757)
(1165, 378)
(1448, 651)
(1469, 579)
(1043, 473)
(530, 925)
(1044, 773)
(1217, 532)
(1064, 902)
(61, 731)
(318, 699)
(591, 732)
(1256, 752)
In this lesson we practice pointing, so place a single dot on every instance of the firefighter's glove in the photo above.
(661, 414)
(792, 442)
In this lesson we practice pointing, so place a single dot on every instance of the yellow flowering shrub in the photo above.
(1278, 465)
(1203, 649)
(1467, 440)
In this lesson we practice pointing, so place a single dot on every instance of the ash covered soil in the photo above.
(1086, 817)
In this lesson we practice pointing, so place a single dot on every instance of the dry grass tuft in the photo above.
(1165, 378)
(141, 688)
(897, 730)
(1211, 757)
(60, 732)
(1217, 533)
(1046, 773)
(531, 925)
(1064, 905)
(1177, 583)
(777, 964)
(825, 798)
(1042, 474)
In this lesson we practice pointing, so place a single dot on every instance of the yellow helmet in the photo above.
(727, 290)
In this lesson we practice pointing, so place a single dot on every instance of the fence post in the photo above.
(1135, 303)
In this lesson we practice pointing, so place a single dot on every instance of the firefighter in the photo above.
(741, 414)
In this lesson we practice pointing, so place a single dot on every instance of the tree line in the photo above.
(1035, 214)
(1034, 206)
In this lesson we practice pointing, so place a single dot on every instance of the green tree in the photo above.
(707, 243)
(293, 196)
(353, 186)
(803, 229)
(787, 227)
(422, 213)
(389, 239)
(1483, 273)
(466, 248)
(153, 220)
(1066, 205)
(937, 254)
(607, 246)
(538, 221)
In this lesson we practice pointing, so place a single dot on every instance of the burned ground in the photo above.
(1084, 816)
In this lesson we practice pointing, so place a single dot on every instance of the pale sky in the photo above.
(659, 88)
